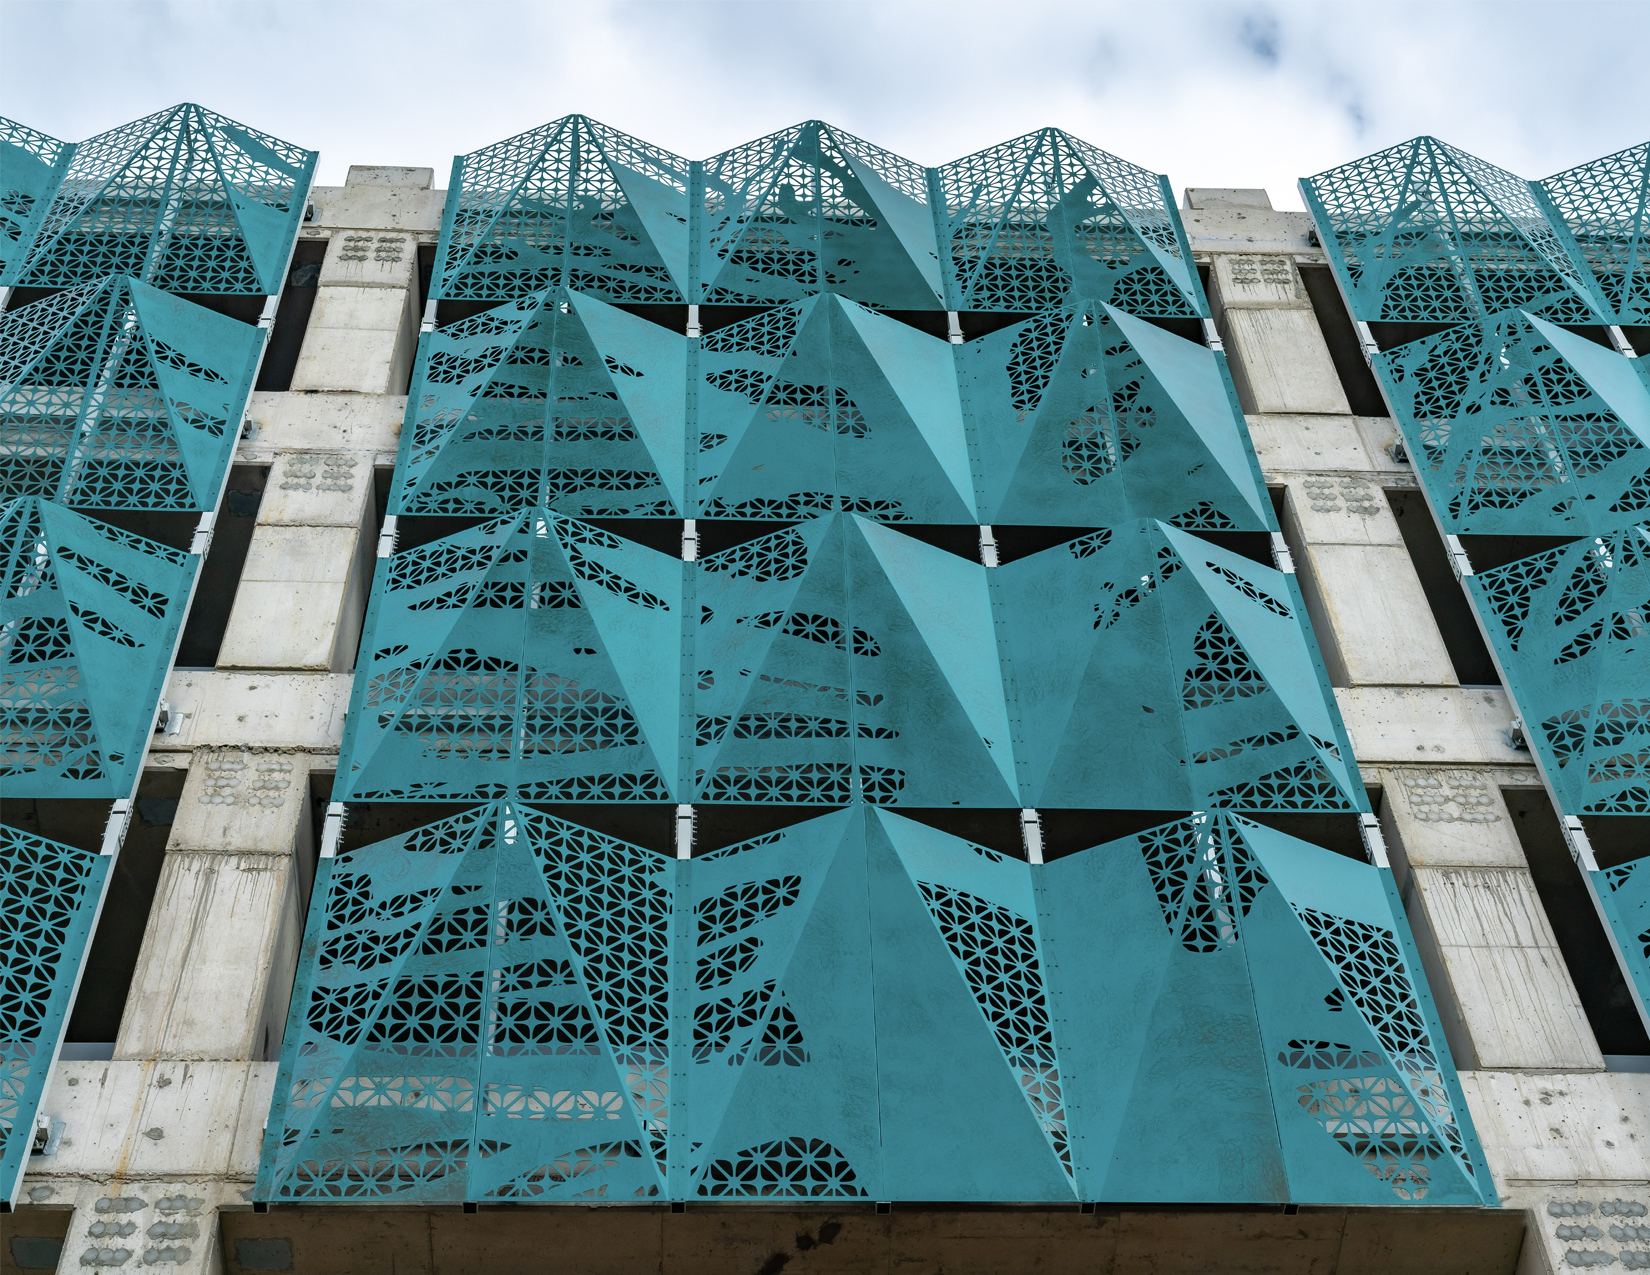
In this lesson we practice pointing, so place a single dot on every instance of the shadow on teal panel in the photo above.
(1093, 417)
(1571, 629)
(814, 209)
(33, 163)
(825, 405)
(49, 897)
(1423, 231)
(572, 204)
(90, 616)
(115, 395)
(1623, 893)
(520, 658)
(1523, 428)
(556, 399)
(1046, 220)
(1606, 206)
(185, 199)
(506, 1006)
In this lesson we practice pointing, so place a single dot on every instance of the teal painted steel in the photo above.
(184, 199)
(1605, 208)
(115, 395)
(1070, 418)
(1520, 427)
(1424, 231)
(838, 660)
(1623, 894)
(1572, 630)
(31, 165)
(1042, 221)
(49, 898)
(505, 1006)
(89, 616)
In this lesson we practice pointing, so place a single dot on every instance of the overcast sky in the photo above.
(1214, 94)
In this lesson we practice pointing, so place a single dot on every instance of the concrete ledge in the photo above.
(1562, 1128)
(257, 710)
(1430, 724)
(323, 422)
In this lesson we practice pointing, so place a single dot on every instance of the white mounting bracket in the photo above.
(1458, 560)
(953, 328)
(1282, 559)
(114, 832)
(684, 832)
(690, 540)
(203, 534)
(1211, 337)
(1031, 833)
(988, 546)
(1618, 338)
(1581, 849)
(42, 1134)
(693, 329)
(168, 721)
(1366, 342)
(266, 317)
(1374, 843)
(386, 536)
(1516, 737)
(332, 831)
(427, 324)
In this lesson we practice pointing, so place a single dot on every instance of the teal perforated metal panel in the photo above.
(184, 199)
(1571, 628)
(1605, 207)
(49, 898)
(1623, 894)
(88, 618)
(1523, 428)
(115, 395)
(505, 1006)
(31, 165)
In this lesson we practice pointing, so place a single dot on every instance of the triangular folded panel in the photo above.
(116, 395)
(1046, 220)
(1425, 232)
(480, 1014)
(554, 399)
(823, 404)
(572, 204)
(184, 199)
(33, 163)
(89, 616)
(1623, 894)
(1522, 427)
(1571, 630)
(518, 659)
(1154, 670)
(1092, 417)
(1605, 205)
(813, 209)
(49, 900)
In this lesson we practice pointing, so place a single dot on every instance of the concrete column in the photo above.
(1484, 937)
(214, 975)
(1275, 349)
(303, 589)
(1366, 602)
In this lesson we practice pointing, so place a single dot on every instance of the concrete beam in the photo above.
(256, 710)
(359, 339)
(1443, 725)
(1288, 445)
(1273, 343)
(365, 424)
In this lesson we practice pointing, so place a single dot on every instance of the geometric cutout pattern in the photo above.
(1623, 896)
(1605, 205)
(185, 200)
(1571, 628)
(33, 164)
(115, 395)
(88, 618)
(527, 1016)
(49, 898)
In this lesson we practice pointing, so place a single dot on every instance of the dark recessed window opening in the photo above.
(1069, 831)
(997, 830)
(1389, 336)
(1468, 654)
(1253, 545)
(673, 317)
(426, 273)
(1363, 392)
(1488, 552)
(662, 534)
(1617, 839)
(716, 826)
(415, 530)
(1576, 925)
(286, 339)
(221, 572)
(1638, 337)
(174, 528)
(717, 534)
(448, 313)
(1331, 830)
(1022, 542)
(1187, 329)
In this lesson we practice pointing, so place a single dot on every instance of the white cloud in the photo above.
(1211, 93)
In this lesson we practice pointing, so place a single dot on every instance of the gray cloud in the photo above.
(1211, 93)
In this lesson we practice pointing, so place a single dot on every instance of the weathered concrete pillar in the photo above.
(214, 975)
(1370, 613)
(1484, 937)
(1275, 349)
